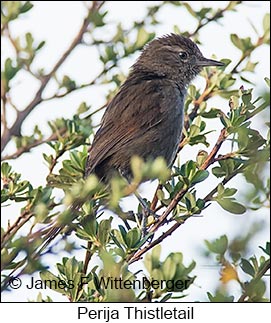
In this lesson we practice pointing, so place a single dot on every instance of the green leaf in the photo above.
(68, 83)
(133, 237)
(255, 289)
(166, 298)
(82, 108)
(219, 245)
(234, 102)
(97, 18)
(169, 268)
(5, 169)
(10, 70)
(244, 44)
(266, 23)
(266, 249)
(52, 281)
(226, 82)
(192, 91)
(26, 7)
(250, 67)
(194, 130)
(4, 197)
(40, 45)
(226, 62)
(200, 203)
(247, 267)
(159, 169)
(155, 256)
(231, 206)
(190, 9)
(218, 171)
(237, 41)
(225, 121)
(142, 38)
(29, 41)
(104, 229)
(123, 232)
(229, 191)
(203, 12)
(212, 113)
(220, 298)
(200, 176)
(246, 98)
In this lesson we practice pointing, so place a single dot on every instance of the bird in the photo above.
(145, 118)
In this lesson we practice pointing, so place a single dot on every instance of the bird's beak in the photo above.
(207, 62)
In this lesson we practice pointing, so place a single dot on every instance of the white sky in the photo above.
(58, 22)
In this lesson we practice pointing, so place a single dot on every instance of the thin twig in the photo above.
(260, 274)
(246, 54)
(21, 115)
(209, 160)
(36, 143)
(206, 94)
(216, 16)
(82, 86)
(21, 220)
(87, 257)
(138, 254)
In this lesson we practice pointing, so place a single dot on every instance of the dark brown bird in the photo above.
(145, 118)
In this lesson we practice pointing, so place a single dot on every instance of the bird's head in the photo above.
(174, 57)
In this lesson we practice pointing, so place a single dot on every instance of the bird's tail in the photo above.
(55, 230)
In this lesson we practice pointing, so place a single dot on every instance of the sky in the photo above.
(57, 22)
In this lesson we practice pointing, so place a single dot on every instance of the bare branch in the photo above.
(25, 149)
(246, 54)
(210, 159)
(138, 254)
(21, 220)
(82, 86)
(222, 137)
(21, 115)
(216, 16)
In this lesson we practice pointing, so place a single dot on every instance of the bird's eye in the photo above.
(183, 55)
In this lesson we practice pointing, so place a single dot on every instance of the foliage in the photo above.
(241, 149)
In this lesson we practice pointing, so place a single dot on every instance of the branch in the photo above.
(208, 197)
(82, 86)
(210, 159)
(88, 256)
(216, 16)
(206, 94)
(260, 274)
(21, 115)
(183, 191)
(25, 149)
(21, 220)
(139, 253)
(246, 54)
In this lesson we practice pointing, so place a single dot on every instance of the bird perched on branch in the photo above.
(145, 118)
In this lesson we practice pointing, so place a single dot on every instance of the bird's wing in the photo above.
(131, 113)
